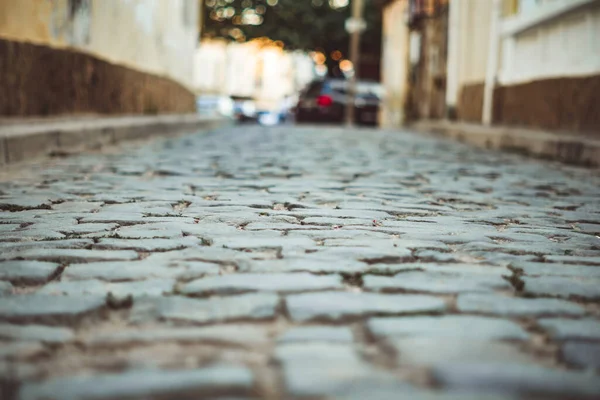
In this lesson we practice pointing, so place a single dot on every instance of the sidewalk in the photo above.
(24, 139)
(567, 148)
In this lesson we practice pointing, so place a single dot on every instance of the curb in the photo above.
(568, 149)
(26, 140)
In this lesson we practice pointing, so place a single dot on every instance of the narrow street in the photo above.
(299, 263)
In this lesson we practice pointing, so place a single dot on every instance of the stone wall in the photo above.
(470, 103)
(40, 80)
(565, 104)
(560, 104)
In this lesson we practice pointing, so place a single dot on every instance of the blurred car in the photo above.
(214, 105)
(281, 114)
(325, 101)
(244, 109)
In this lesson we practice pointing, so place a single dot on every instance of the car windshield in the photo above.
(363, 89)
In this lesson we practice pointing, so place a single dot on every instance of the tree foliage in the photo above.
(299, 24)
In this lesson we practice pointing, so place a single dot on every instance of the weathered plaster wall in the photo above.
(154, 36)
(394, 66)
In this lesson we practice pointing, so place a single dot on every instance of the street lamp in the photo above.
(355, 26)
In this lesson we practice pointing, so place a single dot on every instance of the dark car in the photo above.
(325, 101)
(244, 109)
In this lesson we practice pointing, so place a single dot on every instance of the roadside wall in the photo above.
(97, 56)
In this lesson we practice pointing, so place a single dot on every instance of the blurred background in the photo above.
(530, 63)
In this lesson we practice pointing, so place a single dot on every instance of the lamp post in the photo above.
(354, 26)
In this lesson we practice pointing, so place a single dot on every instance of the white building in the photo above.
(257, 69)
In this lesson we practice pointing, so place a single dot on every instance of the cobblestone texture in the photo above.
(299, 263)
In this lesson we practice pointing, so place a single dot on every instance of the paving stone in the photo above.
(248, 306)
(42, 233)
(428, 351)
(573, 260)
(516, 306)
(12, 352)
(391, 390)
(149, 287)
(302, 334)
(235, 283)
(77, 206)
(557, 286)
(536, 269)
(451, 326)
(567, 329)
(516, 378)
(27, 272)
(82, 229)
(140, 270)
(267, 242)
(582, 354)
(148, 245)
(312, 369)
(24, 203)
(46, 307)
(41, 333)
(8, 227)
(77, 255)
(148, 231)
(437, 282)
(142, 384)
(244, 335)
(11, 248)
(301, 263)
(336, 305)
(114, 218)
(6, 288)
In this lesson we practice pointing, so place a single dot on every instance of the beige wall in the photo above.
(394, 66)
(474, 37)
(156, 36)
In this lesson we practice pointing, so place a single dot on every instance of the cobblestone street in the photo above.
(299, 263)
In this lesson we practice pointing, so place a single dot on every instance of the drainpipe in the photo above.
(492, 63)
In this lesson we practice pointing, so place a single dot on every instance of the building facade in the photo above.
(527, 63)
(89, 56)
(258, 69)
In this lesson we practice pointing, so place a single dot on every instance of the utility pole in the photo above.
(354, 26)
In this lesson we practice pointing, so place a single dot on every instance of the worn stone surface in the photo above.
(39, 306)
(6, 288)
(581, 354)
(336, 305)
(482, 328)
(516, 306)
(142, 383)
(36, 332)
(249, 306)
(30, 272)
(517, 378)
(149, 287)
(317, 334)
(312, 369)
(323, 262)
(291, 282)
(428, 351)
(563, 329)
(248, 335)
(438, 282)
(557, 286)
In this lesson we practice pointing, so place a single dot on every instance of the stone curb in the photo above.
(568, 149)
(23, 141)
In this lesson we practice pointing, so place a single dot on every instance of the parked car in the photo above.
(325, 101)
(244, 109)
(214, 105)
